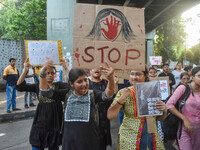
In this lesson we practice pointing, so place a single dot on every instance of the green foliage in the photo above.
(189, 56)
(196, 51)
(170, 39)
(26, 20)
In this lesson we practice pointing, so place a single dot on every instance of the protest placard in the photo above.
(37, 51)
(164, 86)
(147, 94)
(155, 60)
(112, 33)
(172, 64)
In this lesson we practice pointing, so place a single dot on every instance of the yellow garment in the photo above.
(128, 131)
(10, 71)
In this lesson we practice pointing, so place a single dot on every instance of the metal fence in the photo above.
(11, 49)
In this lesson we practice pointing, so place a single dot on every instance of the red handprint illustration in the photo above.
(112, 28)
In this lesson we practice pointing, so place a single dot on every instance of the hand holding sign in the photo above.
(26, 64)
(48, 64)
(160, 105)
(107, 71)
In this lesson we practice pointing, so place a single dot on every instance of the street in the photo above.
(15, 135)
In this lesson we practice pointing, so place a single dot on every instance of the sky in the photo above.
(192, 17)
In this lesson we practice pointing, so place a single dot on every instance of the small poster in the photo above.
(172, 64)
(37, 51)
(164, 86)
(147, 94)
(156, 60)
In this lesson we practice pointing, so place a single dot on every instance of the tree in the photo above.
(27, 22)
(170, 39)
(189, 56)
(196, 51)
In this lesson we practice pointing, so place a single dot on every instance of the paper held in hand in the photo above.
(147, 94)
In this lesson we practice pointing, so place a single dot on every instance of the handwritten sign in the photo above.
(155, 60)
(112, 33)
(172, 64)
(164, 86)
(147, 94)
(37, 51)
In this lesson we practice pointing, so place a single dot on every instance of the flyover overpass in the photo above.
(157, 12)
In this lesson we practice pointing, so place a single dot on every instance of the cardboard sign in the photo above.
(156, 60)
(164, 86)
(112, 33)
(37, 51)
(147, 94)
(172, 64)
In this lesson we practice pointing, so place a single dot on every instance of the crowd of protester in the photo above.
(90, 102)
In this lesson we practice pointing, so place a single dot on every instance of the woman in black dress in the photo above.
(46, 129)
(81, 130)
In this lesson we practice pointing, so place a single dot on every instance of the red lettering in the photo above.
(119, 55)
(86, 52)
(102, 53)
(133, 58)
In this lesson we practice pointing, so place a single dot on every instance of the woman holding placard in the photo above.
(81, 117)
(133, 131)
(46, 129)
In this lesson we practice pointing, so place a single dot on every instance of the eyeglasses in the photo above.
(137, 74)
(198, 75)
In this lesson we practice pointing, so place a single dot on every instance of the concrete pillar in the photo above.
(149, 45)
(60, 16)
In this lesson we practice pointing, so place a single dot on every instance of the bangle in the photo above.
(119, 103)
(43, 75)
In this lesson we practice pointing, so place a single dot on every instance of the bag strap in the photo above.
(184, 97)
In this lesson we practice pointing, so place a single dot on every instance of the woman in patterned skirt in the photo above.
(133, 131)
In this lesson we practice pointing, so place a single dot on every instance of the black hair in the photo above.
(150, 68)
(188, 68)
(75, 73)
(195, 70)
(184, 74)
(146, 75)
(12, 59)
(127, 32)
(54, 68)
(165, 65)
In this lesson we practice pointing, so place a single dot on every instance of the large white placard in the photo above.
(37, 51)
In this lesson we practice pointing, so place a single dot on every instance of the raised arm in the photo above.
(24, 72)
(116, 80)
(118, 103)
(108, 72)
(43, 73)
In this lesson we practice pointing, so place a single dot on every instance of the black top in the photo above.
(81, 134)
(47, 123)
(171, 77)
(104, 123)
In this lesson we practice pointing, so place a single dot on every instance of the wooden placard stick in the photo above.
(150, 126)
